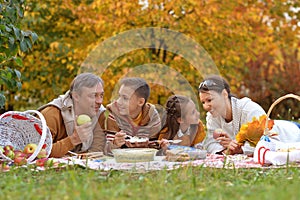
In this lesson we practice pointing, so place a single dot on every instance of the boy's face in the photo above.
(128, 102)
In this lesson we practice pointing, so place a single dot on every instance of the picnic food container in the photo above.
(21, 128)
(197, 154)
(132, 155)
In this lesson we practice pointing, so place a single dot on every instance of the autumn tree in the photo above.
(251, 42)
(14, 43)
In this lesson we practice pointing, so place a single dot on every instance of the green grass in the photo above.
(184, 183)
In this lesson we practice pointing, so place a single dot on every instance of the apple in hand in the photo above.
(82, 119)
(30, 148)
(42, 154)
(217, 133)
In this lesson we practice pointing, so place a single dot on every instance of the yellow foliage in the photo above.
(252, 131)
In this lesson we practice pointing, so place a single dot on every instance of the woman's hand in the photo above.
(224, 139)
(234, 148)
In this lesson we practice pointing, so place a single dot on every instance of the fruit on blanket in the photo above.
(19, 153)
(4, 167)
(30, 148)
(42, 154)
(82, 119)
(44, 162)
(20, 159)
(9, 153)
(217, 133)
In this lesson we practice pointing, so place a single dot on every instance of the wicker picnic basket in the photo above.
(21, 128)
(266, 131)
(266, 151)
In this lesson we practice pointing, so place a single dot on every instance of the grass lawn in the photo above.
(183, 183)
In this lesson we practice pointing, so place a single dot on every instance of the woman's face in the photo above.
(214, 102)
(191, 113)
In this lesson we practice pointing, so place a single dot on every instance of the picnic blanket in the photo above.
(107, 164)
(212, 161)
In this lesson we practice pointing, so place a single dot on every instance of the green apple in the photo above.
(30, 148)
(9, 153)
(82, 119)
(42, 154)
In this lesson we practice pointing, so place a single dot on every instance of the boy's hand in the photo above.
(137, 144)
(119, 138)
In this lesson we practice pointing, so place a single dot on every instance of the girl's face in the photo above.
(214, 102)
(191, 114)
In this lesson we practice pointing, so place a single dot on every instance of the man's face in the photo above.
(89, 100)
(128, 102)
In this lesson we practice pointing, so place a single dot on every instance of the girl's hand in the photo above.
(164, 144)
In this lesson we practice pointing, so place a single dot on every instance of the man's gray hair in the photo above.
(85, 80)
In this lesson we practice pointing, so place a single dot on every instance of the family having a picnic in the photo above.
(132, 116)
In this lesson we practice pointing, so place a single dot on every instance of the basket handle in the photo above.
(274, 104)
(43, 136)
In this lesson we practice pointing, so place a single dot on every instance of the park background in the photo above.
(254, 44)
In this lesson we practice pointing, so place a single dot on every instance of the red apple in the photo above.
(27, 155)
(8, 147)
(20, 160)
(4, 167)
(30, 148)
(41, 162)
(19, 153)
(42, 154)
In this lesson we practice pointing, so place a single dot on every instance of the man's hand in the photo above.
(82, 133)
